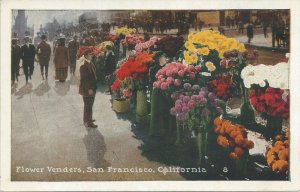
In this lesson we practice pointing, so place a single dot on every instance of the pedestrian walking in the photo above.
(250, 32)
(28, 55)
(44, 52)
(265, 29)
(61, 60)
(241, 27)
(73, 47)
(15, 59)
(87, 88)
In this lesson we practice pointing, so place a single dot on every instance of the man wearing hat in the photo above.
(28, 55)
(61, 60)
(73, 47)
(15, 59)
(87, 88)
(43, 52)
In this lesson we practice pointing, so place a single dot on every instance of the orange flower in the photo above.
(239, 140)
(239, 151)
(217, 121)
(280, 165)
(233, 156)
(250, 144)
(223, 141)
(283, 154)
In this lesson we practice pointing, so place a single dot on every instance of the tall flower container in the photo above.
(247, 112)
(273, 127)
(141, 107)
(202, 147)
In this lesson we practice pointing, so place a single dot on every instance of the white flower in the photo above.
(277, 75)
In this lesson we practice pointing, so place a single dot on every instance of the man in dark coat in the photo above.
(73, 47)
(28, 55)
(110, 64)
(15, 59)
(44, 51)
(250, 32)
(87, 88)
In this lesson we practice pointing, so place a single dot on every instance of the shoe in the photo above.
(93, 120)
(92, 125)
(30, 77)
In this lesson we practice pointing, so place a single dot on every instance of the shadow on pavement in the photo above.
(42, 88)
(26, 89)
(62, 88)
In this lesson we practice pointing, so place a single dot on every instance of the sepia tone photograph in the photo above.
(149, 94)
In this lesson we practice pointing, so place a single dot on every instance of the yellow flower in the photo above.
(190, 46)
(203, 51)
(194, 58)
(210, 66)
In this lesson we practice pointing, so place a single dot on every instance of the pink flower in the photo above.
(198, 68)
(170, 80)
(181, 73)
(175, 71)
(177, 82)
(192, 75)
(162, 79)
(155, 85)
(164, 86)
(169, 72)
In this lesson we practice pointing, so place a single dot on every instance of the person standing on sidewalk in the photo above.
(250, 32)
(73, 47)
(265, 29)
(28, 55)
(87, 88)
(61, 60)
(44, 52)
(15, 59)
(110, 65)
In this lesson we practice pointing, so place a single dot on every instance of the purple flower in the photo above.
(187, 86)
(204, 90)
(185, 109)
(186, 99)
(181, 96)
(203, 101)
(191, 104)
(212, 96)
(178, 102)
(181, 117)
(194, 97)
(174, 95)
(205, 112)
(177, 82)
(178, 107)
(196, 87)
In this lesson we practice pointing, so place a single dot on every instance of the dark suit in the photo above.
(88, 81)
(73, 47)
(28, 55)
(15, 61)
(110, 63)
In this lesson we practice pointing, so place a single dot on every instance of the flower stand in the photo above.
(142, 115)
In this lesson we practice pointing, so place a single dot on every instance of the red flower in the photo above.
(115, 85)
(222, 87)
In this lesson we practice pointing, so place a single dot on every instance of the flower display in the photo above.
(170, 45)
(203, 42)
(82, 49)
(173, 76)
(273, 101)
(276, 76)
(278, 155)
(232, 137)
(125, 31)
(202, 105)
(132, 72)
(132, 40)
(222, 86)
(104, 44)
(146, 45)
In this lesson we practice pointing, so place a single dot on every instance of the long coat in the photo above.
(88, 79)
(61, 57)
(28, 54)
(15, 55)
(110, 63)
(43, 51)
(73, 47)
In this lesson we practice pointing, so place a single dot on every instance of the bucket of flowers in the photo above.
(269, 94)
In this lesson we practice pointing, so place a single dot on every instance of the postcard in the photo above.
(149, 95)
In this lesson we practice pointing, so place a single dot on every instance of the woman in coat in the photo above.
(61, 61)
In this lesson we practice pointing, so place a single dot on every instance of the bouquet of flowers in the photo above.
(131, 40)
(197, 109)
(146, 45)
(222, 86)
(209, 45)
(173, 76)
(125, 31)
(274, 102)
(170, 45)
(132, 74)
(82, 49)
(104, 44)
(232, 137)
(278, 155)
